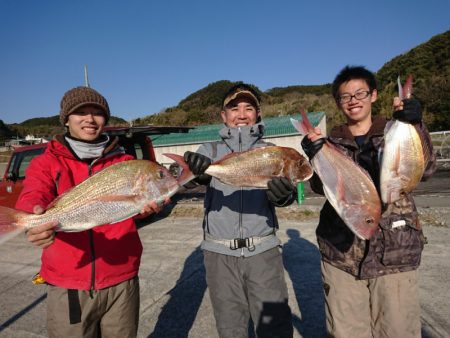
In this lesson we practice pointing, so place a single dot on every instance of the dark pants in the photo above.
(254, 287)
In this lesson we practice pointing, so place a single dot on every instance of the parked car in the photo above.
(135, 140)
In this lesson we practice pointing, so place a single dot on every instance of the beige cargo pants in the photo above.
(111, 312)
(386, 306)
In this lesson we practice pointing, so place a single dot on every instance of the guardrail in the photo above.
(441, 144)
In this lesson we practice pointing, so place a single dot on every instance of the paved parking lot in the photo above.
(174, 297)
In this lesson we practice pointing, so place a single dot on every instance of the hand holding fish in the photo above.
(398, 104)
(314, 134)
(197, 163)
(407, 110)
(280, 190)
(44, 234)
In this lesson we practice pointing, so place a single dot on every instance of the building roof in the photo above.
(274, 127)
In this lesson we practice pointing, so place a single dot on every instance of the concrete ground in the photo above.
(174, 297)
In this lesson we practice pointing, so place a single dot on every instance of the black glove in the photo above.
(411, 113)
(312, 148)
(280, 191)
(197, 163)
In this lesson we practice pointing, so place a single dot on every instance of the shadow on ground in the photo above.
(178, 314)
(302, 261)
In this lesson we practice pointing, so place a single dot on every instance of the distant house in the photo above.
(278, 130)
(28, 140)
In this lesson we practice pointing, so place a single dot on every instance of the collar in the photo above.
(376, 129)
(242, 138)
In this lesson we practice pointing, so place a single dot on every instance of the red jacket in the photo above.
(92, 259)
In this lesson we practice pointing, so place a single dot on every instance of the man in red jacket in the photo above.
(93, 287)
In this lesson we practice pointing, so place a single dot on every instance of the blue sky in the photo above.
(144, 55)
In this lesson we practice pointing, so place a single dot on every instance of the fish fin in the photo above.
(186, 173)
(396, 162)
(227, 156)
(124, 218)
(340, 189)
(9, 226)
(392, 192)
(388, 126)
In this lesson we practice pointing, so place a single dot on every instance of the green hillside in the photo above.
(429, 63)
(203, 106)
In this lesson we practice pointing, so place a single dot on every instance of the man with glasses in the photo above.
(370, 286)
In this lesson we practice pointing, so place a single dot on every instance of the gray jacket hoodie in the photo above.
(237, 212)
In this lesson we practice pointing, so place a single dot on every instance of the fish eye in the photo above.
(369, 220)
(160, 174)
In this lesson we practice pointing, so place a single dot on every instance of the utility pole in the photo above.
(86, 78)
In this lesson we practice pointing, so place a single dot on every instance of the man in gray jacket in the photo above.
(243, 261)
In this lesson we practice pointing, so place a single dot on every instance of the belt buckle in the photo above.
(238, 243)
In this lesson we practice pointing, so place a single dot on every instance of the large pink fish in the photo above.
(347, 186)
(115, 193)
(256, 167)
(403, 160)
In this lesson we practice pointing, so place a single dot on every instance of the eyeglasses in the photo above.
(346, 98)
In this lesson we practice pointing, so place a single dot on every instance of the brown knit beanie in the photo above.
(82, 96)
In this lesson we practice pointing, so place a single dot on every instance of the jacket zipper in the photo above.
(241, 207)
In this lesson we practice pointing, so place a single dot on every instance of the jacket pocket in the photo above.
(402, 246)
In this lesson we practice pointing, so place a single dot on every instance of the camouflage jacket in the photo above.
(398, 243)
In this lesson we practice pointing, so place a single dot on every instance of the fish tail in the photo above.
(186, 173)
(407, 88)
(305, 126)
(305, 121)
(400, 88)
(405, 91)
(9, 226)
